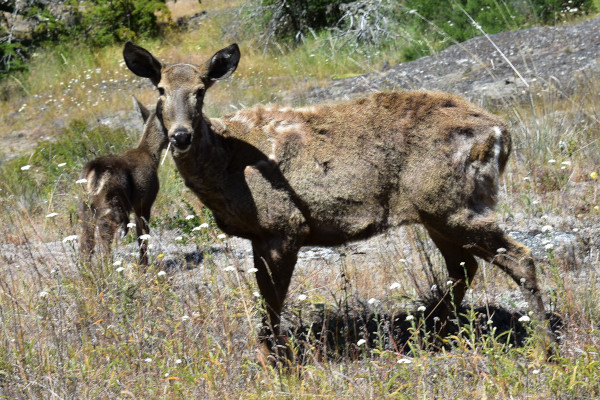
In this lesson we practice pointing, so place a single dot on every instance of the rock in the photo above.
(544, 56)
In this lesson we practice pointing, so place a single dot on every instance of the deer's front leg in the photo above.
(280, 232)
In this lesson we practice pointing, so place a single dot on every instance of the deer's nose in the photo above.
(181, 138)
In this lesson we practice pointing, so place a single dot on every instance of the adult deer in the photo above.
(117, 185)
(329, 174)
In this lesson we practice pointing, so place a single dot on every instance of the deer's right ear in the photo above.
(141, 62)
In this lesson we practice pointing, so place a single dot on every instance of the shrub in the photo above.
(96, 23)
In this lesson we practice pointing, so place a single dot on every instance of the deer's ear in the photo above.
(141, 62)
(223, 63)
(144, 112)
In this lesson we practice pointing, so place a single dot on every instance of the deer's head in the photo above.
(181, 87)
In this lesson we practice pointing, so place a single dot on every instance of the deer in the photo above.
(117, 185)
(329, 174)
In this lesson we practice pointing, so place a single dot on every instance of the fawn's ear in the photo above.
(223, 63)
(144, 112)
(141, 62)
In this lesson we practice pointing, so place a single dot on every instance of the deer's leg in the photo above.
(142, 227)
(107, 227)
(88, 226)
(275, 264)
(461, 266)
(482, 237)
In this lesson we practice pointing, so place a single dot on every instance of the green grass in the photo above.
(71, 331)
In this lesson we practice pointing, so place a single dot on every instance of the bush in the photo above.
(295, 18)
(96, 23)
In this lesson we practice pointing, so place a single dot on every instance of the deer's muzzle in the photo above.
(181, 138)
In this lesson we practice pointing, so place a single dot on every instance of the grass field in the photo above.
(188, 329)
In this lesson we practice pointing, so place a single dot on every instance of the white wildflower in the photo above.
(404, 361)
(361, 342)
(222, 236)
(449, 283)
(161, 273)
(82, 180)
(524, 318)
(421, 309)
(204, 225)
(25, 167)
(179, 238)
(178, 361)
(145, 236)
(535, 371)
(252, 270)
(501, 250)
(373, 301)
(120, 269)
(256, 294)
(549, 246)
(131, 225)
(62, 164)
(302, 297)
(229, 268)
(395, 285)
(190, 217)
(70, 238)
(409, 317)
(566, 163)
(43, 294)
(148, 360)
(547, 228)
(551, 161)
(51, 215)
(185, 317)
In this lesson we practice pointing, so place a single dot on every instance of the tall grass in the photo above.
(187, 327)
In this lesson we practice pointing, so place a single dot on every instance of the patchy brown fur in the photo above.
(118, 185)
(329, 174)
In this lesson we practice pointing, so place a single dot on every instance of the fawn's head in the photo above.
(181, 87)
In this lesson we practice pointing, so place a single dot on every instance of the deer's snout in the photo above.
(181, 138)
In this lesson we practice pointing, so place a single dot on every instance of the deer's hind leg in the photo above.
(87, 215)
(461, 266)
(481, 236)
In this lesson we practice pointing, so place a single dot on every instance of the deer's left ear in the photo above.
(144, 112)
(223, 63)
(141, 62)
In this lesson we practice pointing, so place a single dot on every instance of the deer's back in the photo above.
(129, 177)
(361, 166)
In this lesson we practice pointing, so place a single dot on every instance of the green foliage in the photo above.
(11, 58)
(294, 18)
(116, 21)
(492, 16)
(95, 23)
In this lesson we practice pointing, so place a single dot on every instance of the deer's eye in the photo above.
(199, 93)
(161, 91)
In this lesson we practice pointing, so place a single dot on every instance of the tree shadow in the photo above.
(344, 335)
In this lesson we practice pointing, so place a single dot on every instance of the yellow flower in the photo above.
(161, 255)
(594, 175)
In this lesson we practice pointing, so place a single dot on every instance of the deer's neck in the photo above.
(203, 166)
